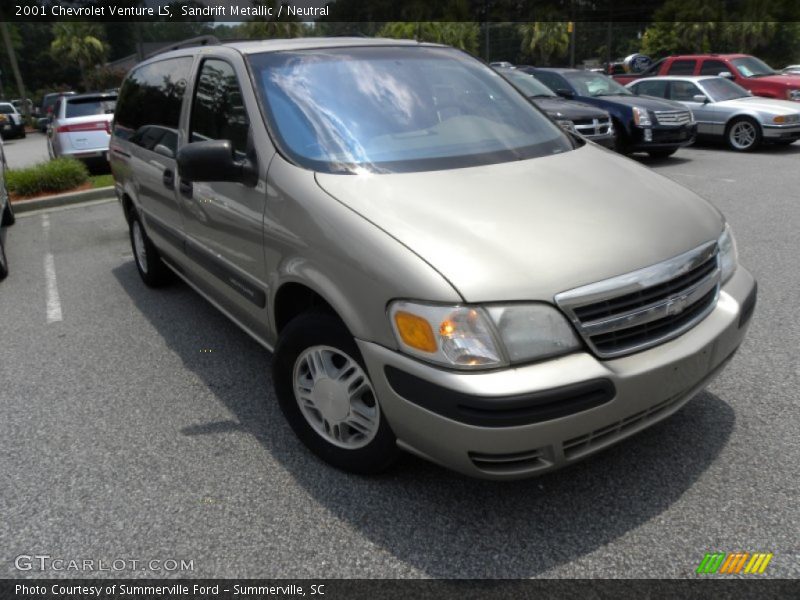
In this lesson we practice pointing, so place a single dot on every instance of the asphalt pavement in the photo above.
(141, 425)
(26, 152)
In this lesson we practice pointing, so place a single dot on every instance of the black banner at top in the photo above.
(375, 11)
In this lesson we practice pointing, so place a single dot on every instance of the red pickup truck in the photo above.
(748, 71)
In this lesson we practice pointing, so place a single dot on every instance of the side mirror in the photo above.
(214, 160)
(700, 98)
(164, 151)
(565, 93)
(726, 74)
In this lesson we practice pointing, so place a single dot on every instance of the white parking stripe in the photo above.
(53, 301)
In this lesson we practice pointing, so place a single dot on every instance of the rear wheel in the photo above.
(148, 261)
(3, 261)
(662, 153)
(743, 134)
(326, 395)
(7, 218)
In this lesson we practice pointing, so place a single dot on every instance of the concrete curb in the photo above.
(23, 206)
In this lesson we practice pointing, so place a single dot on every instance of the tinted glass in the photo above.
(152, 96)
(684, 91)
(7, 109)
(397, 109)
(721, 89)
(752, 67)
(651, 88)
(527, 83)
(587, 83)
(682, 67)
(713, 67)
(87, 107)
(218, 111)
(552, 80)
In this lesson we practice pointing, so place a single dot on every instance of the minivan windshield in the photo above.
(397, 109)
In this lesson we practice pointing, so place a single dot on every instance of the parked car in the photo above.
(6, 213)
(81, 127)
(12, 124)
(658, 127)
(590, 122)
(752, 73)
(791, 70)
(727, 111)
(46, 111)
(437, 266)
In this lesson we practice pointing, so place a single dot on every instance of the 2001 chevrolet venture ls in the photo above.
(437, 265)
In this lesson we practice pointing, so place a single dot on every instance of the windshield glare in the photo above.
(721, 89)
(752, 67)
(527, 83)
(397, 109)
(587, 83)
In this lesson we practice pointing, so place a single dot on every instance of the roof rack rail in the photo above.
(201, 40)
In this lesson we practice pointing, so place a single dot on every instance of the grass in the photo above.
(52, 177)
(99, 181)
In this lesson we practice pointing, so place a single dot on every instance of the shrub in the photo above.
(59, 175)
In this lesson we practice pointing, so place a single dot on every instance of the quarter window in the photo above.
(682, 67)
(218, 111)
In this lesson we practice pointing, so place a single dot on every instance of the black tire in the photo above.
(661, 153)
(3, 261)
(151, 268)
(317, 329)
(621, 144)
(7, 218)
(733, 140)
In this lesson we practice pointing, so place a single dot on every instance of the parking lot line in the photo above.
(53, 300)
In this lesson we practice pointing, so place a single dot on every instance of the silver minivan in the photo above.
(437, 266)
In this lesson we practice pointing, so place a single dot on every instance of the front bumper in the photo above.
(781, 132)
(662, 137)
(524, 441)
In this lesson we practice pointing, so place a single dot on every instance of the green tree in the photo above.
(463, 35)
(266, 28)
(543, 41)
(81, 43)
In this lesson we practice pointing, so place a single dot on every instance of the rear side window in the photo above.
(652, 88)
(713, 67)
(682, 67)
(218, 111)
(88, 107)
(151, 96)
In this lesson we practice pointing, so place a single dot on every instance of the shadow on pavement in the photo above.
(436, 521)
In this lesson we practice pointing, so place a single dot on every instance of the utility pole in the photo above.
(12, 57)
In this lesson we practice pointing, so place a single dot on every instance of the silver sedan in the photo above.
(726, 110)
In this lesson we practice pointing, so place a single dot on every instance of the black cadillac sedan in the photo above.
(642, 123)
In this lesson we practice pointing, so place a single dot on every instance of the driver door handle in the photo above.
(185, 188)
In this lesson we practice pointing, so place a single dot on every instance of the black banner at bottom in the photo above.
(390, 589)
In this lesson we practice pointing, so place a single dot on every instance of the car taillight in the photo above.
(93, 126)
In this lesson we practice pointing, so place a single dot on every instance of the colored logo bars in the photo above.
(734, 563)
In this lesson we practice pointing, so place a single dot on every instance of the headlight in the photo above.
(728, 256)
(473, 337)
(793, 94)
(641, 118)
(566, 124)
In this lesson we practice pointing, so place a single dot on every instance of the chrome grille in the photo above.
(590, 127)
(673, 117)
(639, 310)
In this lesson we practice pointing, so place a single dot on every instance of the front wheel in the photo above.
(662, 153)
(743, 135)
(327, 397)
(3, 261)
(7, 218)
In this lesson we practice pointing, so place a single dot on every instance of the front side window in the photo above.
(684, 91)
(218, 111)
(713, 67)
(528, 84)
(552, 80)
(397, 109)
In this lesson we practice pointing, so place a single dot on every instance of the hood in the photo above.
(769, 106)
(648, 102)
(560, 108)
(527, 230)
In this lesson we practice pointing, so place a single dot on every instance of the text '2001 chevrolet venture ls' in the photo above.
(438, 266)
